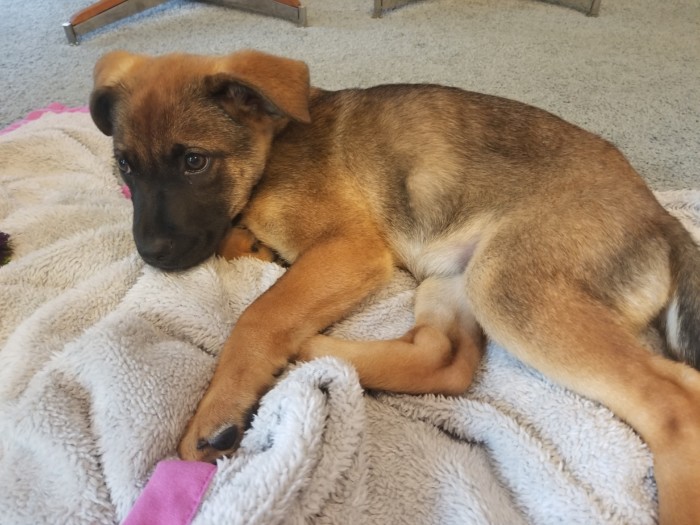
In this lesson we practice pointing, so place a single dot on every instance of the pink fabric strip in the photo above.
(54, 107)
(173, 494)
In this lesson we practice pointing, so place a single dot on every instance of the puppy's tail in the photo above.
(681, 320)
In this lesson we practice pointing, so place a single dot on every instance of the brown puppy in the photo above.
(511, 219)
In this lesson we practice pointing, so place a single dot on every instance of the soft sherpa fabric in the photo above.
(103, 361)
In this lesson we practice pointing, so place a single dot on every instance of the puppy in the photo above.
(513, 221)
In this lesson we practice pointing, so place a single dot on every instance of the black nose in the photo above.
(155, 249)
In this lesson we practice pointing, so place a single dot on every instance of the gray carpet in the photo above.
(631, 75)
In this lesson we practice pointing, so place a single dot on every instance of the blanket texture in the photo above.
(103, 360)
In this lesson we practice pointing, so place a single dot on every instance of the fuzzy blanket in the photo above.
(103, 360)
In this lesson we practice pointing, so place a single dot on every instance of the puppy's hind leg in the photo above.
(593, 350)
(438, 355)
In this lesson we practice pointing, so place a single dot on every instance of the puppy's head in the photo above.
(191, 138)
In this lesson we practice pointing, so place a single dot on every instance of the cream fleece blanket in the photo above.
(103, 361)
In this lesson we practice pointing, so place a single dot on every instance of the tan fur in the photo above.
(513, 221)
(240, 242)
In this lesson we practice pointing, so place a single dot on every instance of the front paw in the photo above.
(248, 367)
(199, 445)
(217, 427)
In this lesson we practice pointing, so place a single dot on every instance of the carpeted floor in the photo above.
(631, 75)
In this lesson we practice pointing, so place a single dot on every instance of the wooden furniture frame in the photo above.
(105, 12)
(590, 7)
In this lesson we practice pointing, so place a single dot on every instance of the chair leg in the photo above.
(595, 8)
(102, 13)
(590, 7)
(105, 12)
(291, 10)
(382, 5)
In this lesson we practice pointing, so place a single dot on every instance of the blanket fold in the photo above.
(103, 361)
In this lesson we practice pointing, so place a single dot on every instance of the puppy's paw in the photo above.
(247, 369)
(210, 436)
(217, 427)
(200, 445)
(241, 242)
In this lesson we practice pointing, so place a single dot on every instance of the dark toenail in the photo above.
(225, 439)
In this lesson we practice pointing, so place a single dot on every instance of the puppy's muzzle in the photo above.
(173, 253)
(157, 251)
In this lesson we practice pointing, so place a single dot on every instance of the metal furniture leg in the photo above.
(102, 13)
(590, 7)
(382, 5)
(595, 8)
(291, 10)
(105, 12)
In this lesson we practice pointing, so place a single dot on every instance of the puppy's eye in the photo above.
(196, 162)
(123, 165)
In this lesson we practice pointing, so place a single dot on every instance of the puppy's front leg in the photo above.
(322, 286)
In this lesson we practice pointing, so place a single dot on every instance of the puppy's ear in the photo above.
(110, 74)
(102, 101)
(256, 82)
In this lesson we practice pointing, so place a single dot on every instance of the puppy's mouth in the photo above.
(176, 253)
(176, 266)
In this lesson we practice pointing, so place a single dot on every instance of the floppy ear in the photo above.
(102, 102)
(109, 76)
(258, 82)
